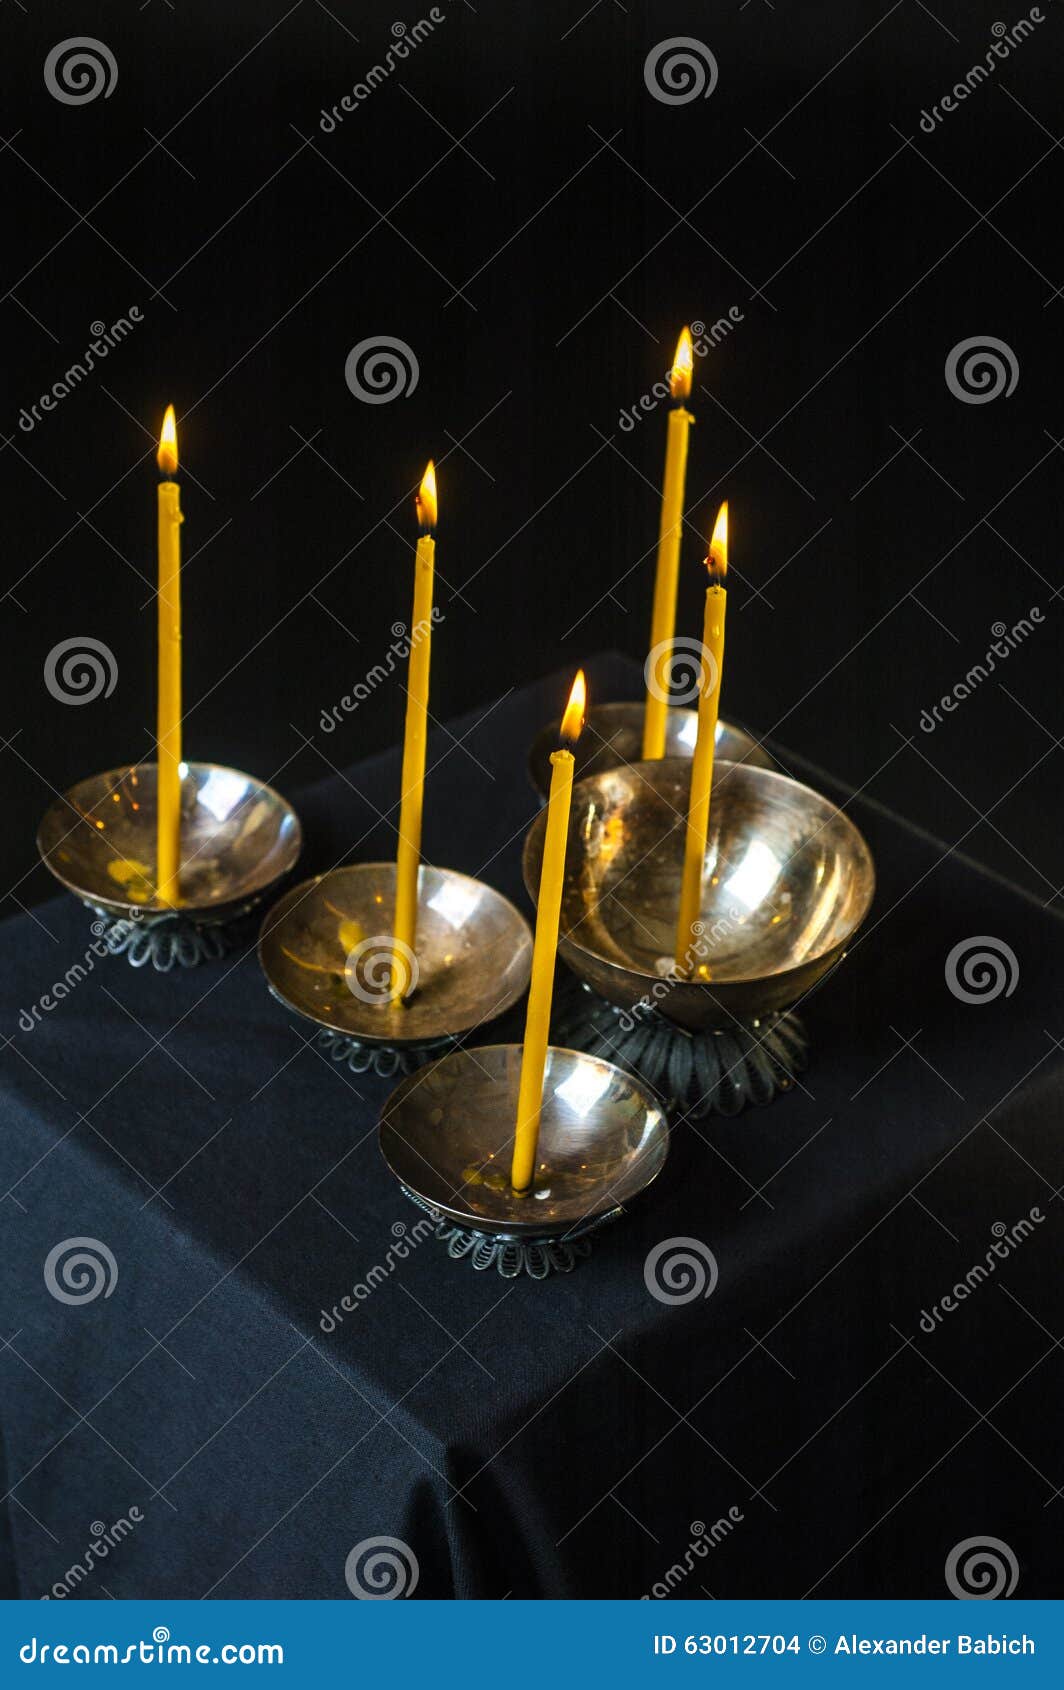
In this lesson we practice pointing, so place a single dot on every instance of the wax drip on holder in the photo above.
(239, 839)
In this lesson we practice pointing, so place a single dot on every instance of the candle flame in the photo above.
(682, 366)
(717, 561)
(166, 457)
(426, 498)
(573, 717)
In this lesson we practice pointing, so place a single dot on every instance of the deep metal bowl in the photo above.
(447, 1136)
(326, 951)
(238, 838)
(788, 881)
(613, 735)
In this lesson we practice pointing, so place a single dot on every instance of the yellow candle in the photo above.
(669, 537)
(408, 859)
(687, 947)
(544, 951)
(168, 722)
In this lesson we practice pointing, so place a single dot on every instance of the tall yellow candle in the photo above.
(687, 948)
(670, 535)
(408, 859)
(544, 951)
(168, 721)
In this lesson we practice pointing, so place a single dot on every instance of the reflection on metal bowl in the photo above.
(326, 951)
(238, 838)
(788, 881)
(447, 1136)
(613, 735)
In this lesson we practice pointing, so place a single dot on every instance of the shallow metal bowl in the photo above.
(238, 838)
(613, 734)
(447, 1136)
(788, 881)
(326, 951)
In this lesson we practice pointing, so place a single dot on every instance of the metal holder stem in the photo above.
(714, 1071)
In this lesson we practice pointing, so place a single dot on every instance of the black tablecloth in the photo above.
(569, 1438)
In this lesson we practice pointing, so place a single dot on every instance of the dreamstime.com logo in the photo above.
(79, 70)
(381, 1569)
(79, 1270)
(677, 671)
(980, 1569)
(982, 969)
(680, 70)
(380, 369)
(680, 1270)
(80, 670)
(981, 369)
(160, 1650)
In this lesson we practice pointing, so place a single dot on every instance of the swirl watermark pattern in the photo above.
(368, 970)
(79, 1270)
(80, 670)
(79, 70)
(981, 369)
(381, 1569)
(674, 670)
(680, 1270)
(380, 369)
(680, 70)
(982, 969)
(980, 1569)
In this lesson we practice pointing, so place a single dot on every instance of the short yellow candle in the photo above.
(687, 946)
(408, 859)
(544, 951)
(670, 535)
(168, 723)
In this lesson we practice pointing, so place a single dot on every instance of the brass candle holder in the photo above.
(326, 950)
(613, 735)
(788, 882)
(447, 1135)
(239, 838)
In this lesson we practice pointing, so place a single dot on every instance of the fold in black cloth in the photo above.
(822, 1422)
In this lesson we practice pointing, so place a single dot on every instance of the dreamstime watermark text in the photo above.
(406, 41)
(403, 643)
(103, 1539)
(704, 1539)
(102, 344)
(1007, 1240)
(1005, 39)
(405, 1242)
(1004, 643)
(703, 340)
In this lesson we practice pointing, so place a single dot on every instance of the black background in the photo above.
(518, 156)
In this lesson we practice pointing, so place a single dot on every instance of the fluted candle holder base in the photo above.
(168, 941)
(718, 1072)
